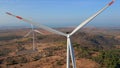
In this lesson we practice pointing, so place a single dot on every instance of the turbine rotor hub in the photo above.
(68, 36)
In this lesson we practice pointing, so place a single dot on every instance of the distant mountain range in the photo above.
(12, 27)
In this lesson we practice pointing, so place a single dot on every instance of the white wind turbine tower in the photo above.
(32, 31)
(70, 50)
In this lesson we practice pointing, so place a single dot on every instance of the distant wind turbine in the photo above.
(70, 50)
(33, 35)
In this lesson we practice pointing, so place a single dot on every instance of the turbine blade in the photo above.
(28, 34)
(72, 54)
(38, 32)
(39, 25)
(91, 18)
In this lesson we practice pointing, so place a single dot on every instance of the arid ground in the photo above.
(93, 48)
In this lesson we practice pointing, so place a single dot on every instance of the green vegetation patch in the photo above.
(108, 58)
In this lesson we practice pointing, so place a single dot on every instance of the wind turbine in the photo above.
(70, 50)
(33, 35)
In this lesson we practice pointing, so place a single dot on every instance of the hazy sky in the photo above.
(59, 13)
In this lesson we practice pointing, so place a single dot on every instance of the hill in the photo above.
(94, 48)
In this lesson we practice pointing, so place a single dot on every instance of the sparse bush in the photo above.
(50, 53)
(16, 60)
(11, 61)
(23, 60)
(37, 57)
(20, 48)
(4, 52)
(60, 62)
(40, 37)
